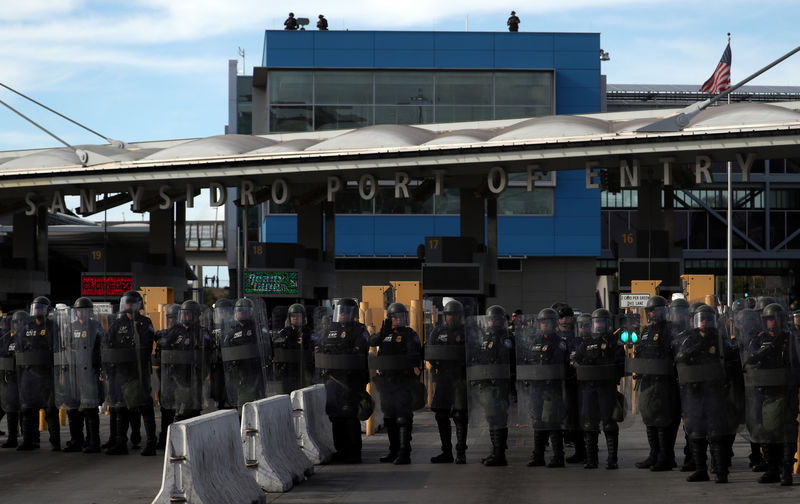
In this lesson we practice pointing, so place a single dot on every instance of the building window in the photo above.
(310, 100)
(520, 201)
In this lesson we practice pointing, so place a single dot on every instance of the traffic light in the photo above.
(746, 290)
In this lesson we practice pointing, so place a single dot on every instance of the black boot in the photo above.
(76, 439)
(404, 426)
(135, 421)
(92, 430)
(539, 442)
(353, 441)
(393, 432)
(699, 455)
(13, 427)
(772, 456)
(30, 419)
(461, 441)
(590, 438)
(666, 453)
(499, 437)
(612, 445)
(652, 440)
(788, 464)
(112, 430)
(757, 463)
(688, 459)
(167, 417)
(720, 452)
(445, 435)
(53, 428)
(557, 442)
(149, 420)
(580, 448)
(120, 446)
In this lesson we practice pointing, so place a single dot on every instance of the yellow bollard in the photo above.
(62, 416)
(42, 421)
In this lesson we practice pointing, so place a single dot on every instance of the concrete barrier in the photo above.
(203, 462)
(270, 444)
(312, 425)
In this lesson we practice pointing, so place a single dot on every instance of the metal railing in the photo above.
(205, 235)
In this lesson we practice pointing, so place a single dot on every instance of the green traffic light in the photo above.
(624, 337)
(634, 337)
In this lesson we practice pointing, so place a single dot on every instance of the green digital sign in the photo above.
(272, 283)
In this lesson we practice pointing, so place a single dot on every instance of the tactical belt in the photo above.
(661, 367)
(114, 355)
(700, 373)
(6, 363)
(289, 355)
(444, 353)
(34, 358)
(540, 372)
(237, 353)
(178, 357)
(779, 377)
(604, 372)
(340, 361)
(393, 362)
(488, 372)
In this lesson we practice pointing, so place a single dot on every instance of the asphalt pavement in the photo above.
(45, 476)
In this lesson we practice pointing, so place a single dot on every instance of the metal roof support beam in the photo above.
(721, 218)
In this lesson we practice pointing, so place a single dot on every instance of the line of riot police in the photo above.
(564, 373)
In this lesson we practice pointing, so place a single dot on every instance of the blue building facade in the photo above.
(454, 74)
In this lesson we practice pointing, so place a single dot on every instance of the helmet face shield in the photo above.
(39, 310)
(704, 319)
(399, 319)
(600, 326)
(130, 304)
(345, 313)
(656, 314)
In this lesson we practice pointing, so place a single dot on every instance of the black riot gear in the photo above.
(445, 351)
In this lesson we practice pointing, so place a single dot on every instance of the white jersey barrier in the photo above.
(270, 445)
(203, 462)
(312, 425)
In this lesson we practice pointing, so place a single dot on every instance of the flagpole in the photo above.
(730, 224)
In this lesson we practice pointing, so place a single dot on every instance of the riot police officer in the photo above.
(599, 363)
(171, 316)
(654, 369)
(341, 357)
(293, 353)
(700, 357)
(771, 366)
(9, 391)
(567, 331)
(542, 357)
(126, 354)
(34, 362)
(397, 359)
(223, 318)
(245, 351)
(444, 350)
(183, 355)
(85, 336)
(489, 360)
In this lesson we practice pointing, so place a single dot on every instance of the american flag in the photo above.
(720, 80)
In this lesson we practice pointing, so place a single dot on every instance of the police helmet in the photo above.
(776, 312)
(190, 312)
(656, 309)
(346, 310)
(601, 321)
(496, 315)
(704, 317)
(398, 311)
(298, 313)
(243, 309)
(456, 311)
(40, 307)
(83, 302)
(763, 301)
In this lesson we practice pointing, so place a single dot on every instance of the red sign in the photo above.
(105, 285)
